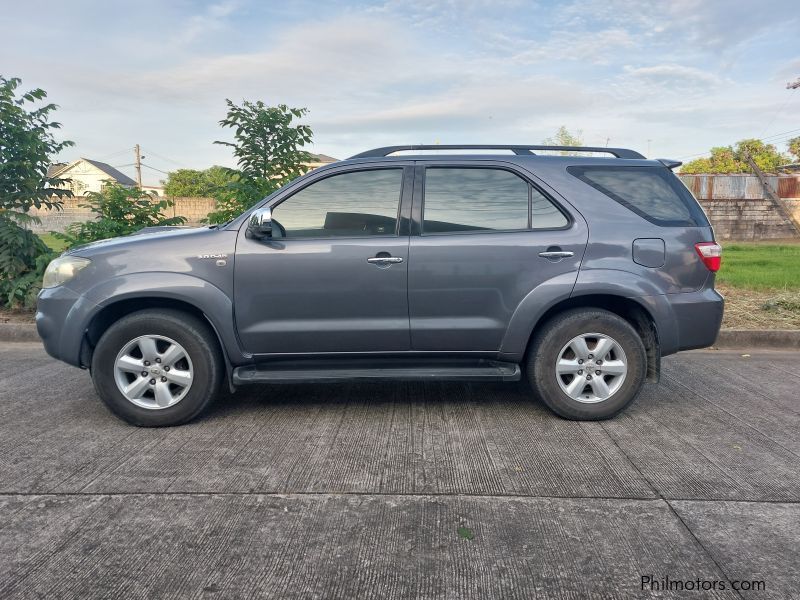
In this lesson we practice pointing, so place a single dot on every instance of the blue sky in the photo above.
(677, 77)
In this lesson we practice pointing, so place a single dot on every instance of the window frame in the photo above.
(696, 214)
(403, 199)
(419, 206)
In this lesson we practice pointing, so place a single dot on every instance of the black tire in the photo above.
(546, 347)
(189, 331)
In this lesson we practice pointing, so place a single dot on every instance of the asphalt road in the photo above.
(404, 490)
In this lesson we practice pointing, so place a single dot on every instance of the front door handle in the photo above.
(556, 254)
(385, 260)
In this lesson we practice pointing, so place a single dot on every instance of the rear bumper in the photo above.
(699, 317)
(687, 321)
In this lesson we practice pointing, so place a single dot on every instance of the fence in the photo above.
(739, 209)
(193, 209)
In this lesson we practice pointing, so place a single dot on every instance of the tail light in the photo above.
(711, 255)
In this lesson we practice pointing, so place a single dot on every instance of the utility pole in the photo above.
(138, 166)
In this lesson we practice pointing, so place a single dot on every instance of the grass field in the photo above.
(760, 266)
(52, 242)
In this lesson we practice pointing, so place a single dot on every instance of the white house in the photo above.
(88, 175)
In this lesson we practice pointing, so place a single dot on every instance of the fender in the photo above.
(610, 282)
(616, 282)
(206, 297)
(538, 301)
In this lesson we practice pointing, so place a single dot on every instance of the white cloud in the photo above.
(210, 20)
(675, 77)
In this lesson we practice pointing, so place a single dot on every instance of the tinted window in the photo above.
(477, 199)
(651, 192)
(544, 214)
(351, 204)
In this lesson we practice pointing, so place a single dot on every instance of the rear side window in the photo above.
(484, 199)
(651, 192)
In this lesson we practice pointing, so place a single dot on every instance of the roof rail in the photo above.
(516, 149)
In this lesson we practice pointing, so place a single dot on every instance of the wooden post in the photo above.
(138, 166)
(771, 194)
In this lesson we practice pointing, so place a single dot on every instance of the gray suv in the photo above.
(576, 271)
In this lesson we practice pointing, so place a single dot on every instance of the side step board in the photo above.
(475, 371)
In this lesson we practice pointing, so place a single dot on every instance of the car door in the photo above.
(483, 237)
(333, 277)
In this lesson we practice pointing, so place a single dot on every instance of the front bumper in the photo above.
(61, 319)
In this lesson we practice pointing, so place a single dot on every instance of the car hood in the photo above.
(139, 238)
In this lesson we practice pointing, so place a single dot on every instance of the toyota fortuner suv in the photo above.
(576, 271)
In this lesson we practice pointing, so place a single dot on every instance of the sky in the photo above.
(669, 79)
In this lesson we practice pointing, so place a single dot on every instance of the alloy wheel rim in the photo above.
(591, 368)
(153, 372)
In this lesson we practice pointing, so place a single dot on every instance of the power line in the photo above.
(154, 169)
(113, 154)
(174, 162)
(779, 111)
(768, 139)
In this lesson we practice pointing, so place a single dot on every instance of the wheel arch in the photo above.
(627, 308)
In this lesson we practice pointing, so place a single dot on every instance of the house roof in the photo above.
(323, 158)
(118, 176)
(55, 168)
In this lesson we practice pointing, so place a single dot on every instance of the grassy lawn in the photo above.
(760, 266)
(761, 285)
(52, 242)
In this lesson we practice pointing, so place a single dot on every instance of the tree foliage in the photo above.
(213, 182)
(731, 159)
(794, 147)
(27, 148)
(563, 137)
(268, 149)
(120, 211)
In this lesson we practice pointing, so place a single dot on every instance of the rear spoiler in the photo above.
(670, 164)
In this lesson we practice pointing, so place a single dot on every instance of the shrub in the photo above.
(120, 211)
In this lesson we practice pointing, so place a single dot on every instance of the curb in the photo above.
(19, 332)
(775, 339)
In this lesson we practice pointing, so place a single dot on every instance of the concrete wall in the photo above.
(740, 210)
(193, 209)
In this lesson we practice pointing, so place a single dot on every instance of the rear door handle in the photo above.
(385, 260)
(556, 254)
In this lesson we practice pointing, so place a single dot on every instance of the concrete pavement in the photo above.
(403, 490)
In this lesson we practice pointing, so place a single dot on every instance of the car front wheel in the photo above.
(587, 364)
(157, 367)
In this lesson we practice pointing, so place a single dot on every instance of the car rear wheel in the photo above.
(587, 364)
(157, 367)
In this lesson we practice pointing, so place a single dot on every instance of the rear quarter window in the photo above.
(653, 193)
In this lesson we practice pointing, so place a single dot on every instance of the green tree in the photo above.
(731, 159)
(120, 211)
(794, 147)
(268, 149)
(210, 183)
(563, 137)
(27, 148)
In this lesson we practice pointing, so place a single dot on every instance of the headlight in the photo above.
(62, 270)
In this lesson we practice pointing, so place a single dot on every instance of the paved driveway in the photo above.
(404, 490)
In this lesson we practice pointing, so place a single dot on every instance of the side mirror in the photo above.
(260, 224)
